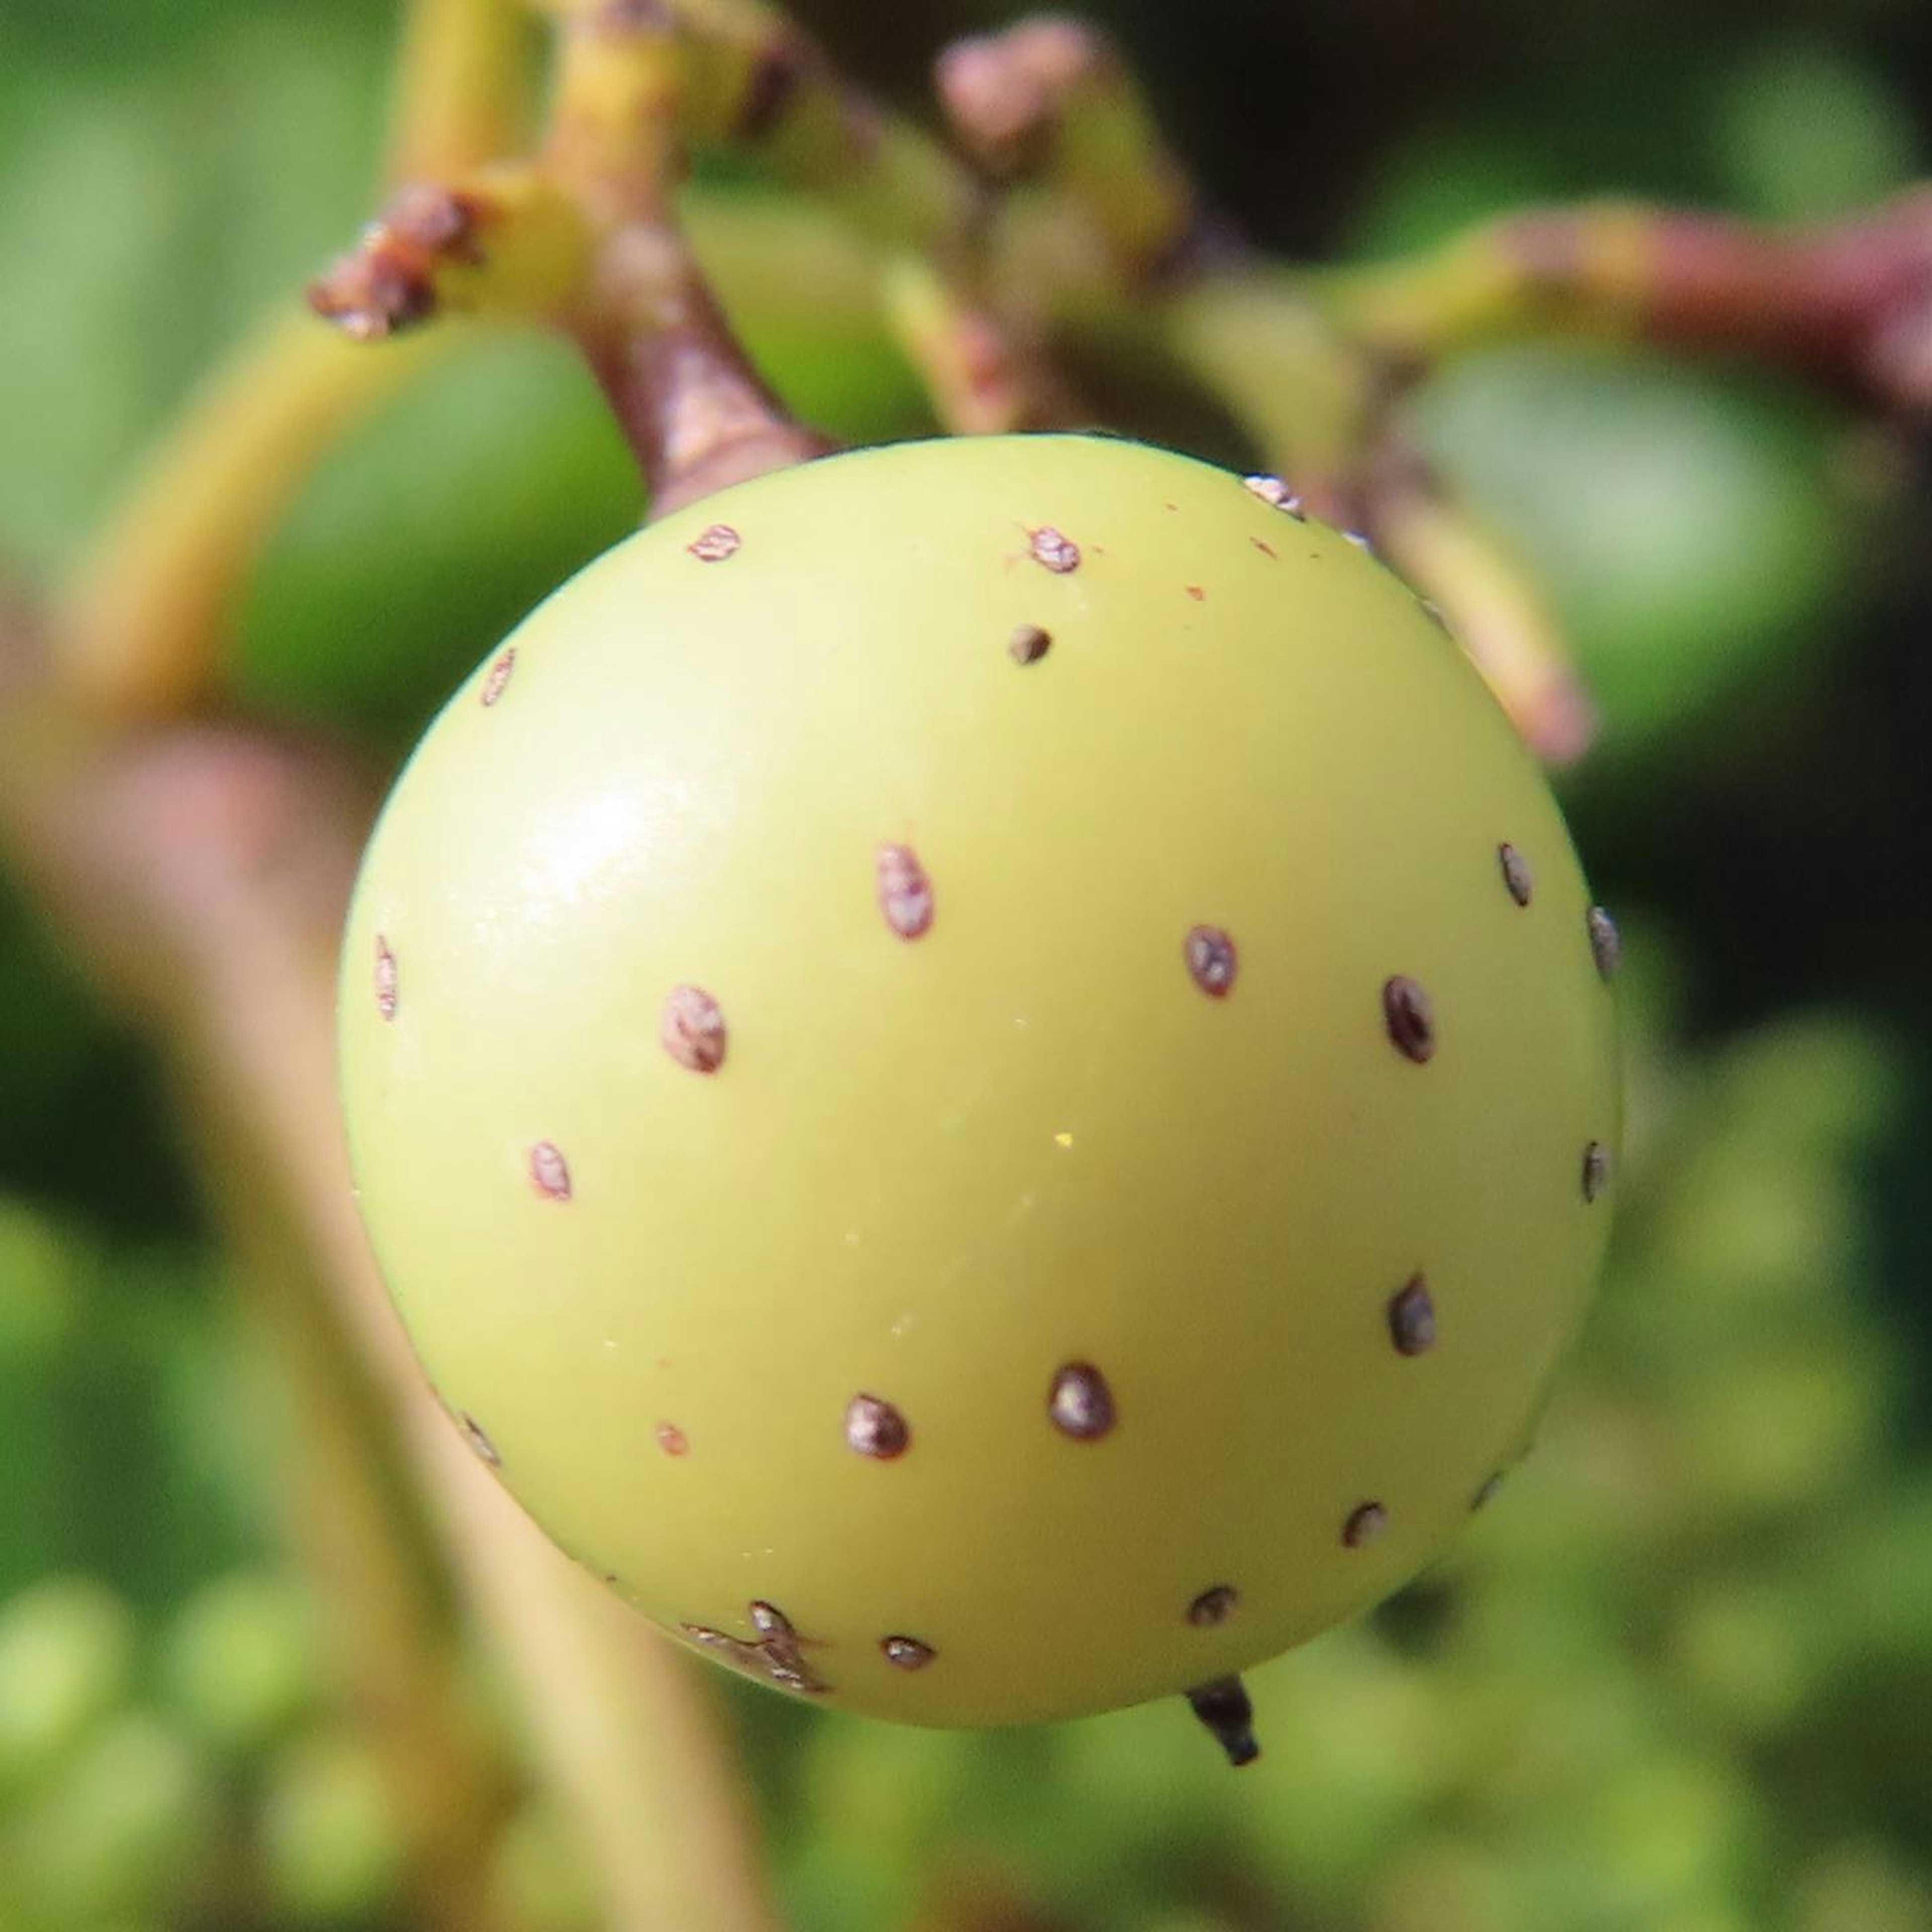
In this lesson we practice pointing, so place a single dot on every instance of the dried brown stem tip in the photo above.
(1003, 93)
(1223, 1706)
(389, 281)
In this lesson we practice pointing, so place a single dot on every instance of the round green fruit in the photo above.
(983, 1073)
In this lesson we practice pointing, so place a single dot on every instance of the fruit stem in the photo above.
(149, 614)
(1845, 302)
(1050, 99)
(461, 89)
(1224, 1707)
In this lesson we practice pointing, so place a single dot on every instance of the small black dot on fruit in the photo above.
(907, 1652)
(1516, 874)
(1273, 492)
(473, 1433)
(498, 676)
(672, 1440)
(691, 1029)
(1411, 1318)
(1212, 961)
(1079, 1403)
(1410, 1018)
(386, 987)
(1267, 550)
(1606, 943)
(1596, 1170)
(1214, 1606)
(905, 891)
(1365, 1523)
(714, 545)
(1057, 553)
(1225, 1707)
(550, 1172)
(1029, 643)
(876, 1428)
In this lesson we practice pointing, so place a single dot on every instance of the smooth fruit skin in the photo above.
(983, 1180)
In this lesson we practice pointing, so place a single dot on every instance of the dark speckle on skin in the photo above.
(550, 1172)
(1056, 552)
(1214, 1606)
(776, 1654)
(1411, 1318)
(1516, 874)
(1030, 643)
(386, 983)
(876, 1428)
(714, 545)
(1273, 492)
(1267, 550)
(499, 676)
(905, 891)
(1195, 591)
(1596, 1170)
(1212, 961)
(1364, 1525)
(1080, 1404)
(691, 1029)
(907, 1652)
(1409, 1018)
(1606, 944)
(473, 1434)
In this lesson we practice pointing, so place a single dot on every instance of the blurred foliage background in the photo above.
(1680, 1678)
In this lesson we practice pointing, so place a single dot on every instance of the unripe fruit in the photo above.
(984, 1073)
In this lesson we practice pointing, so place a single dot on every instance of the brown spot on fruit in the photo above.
(692, 1029)
(672, 1440)
(1195, 591)
(1596, 1170)
(775, 1655)
(473, 1434)
(498, 676)
(1410, 1018)
(1214, 1606)
(876, 1428)
(1058, 553)
(1516, 874)
(714, 545)
(1606, 944)
(1212, 961)
(1364, 1525)
(1273, 492)
(907, 1652)
(905, 891)
(1080, 1404)
(550, 1172)
(386, 979)
(1030, 643)
(1267, 550)
(1411, 1318)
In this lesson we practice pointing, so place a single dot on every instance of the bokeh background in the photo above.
(1679, 1679)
